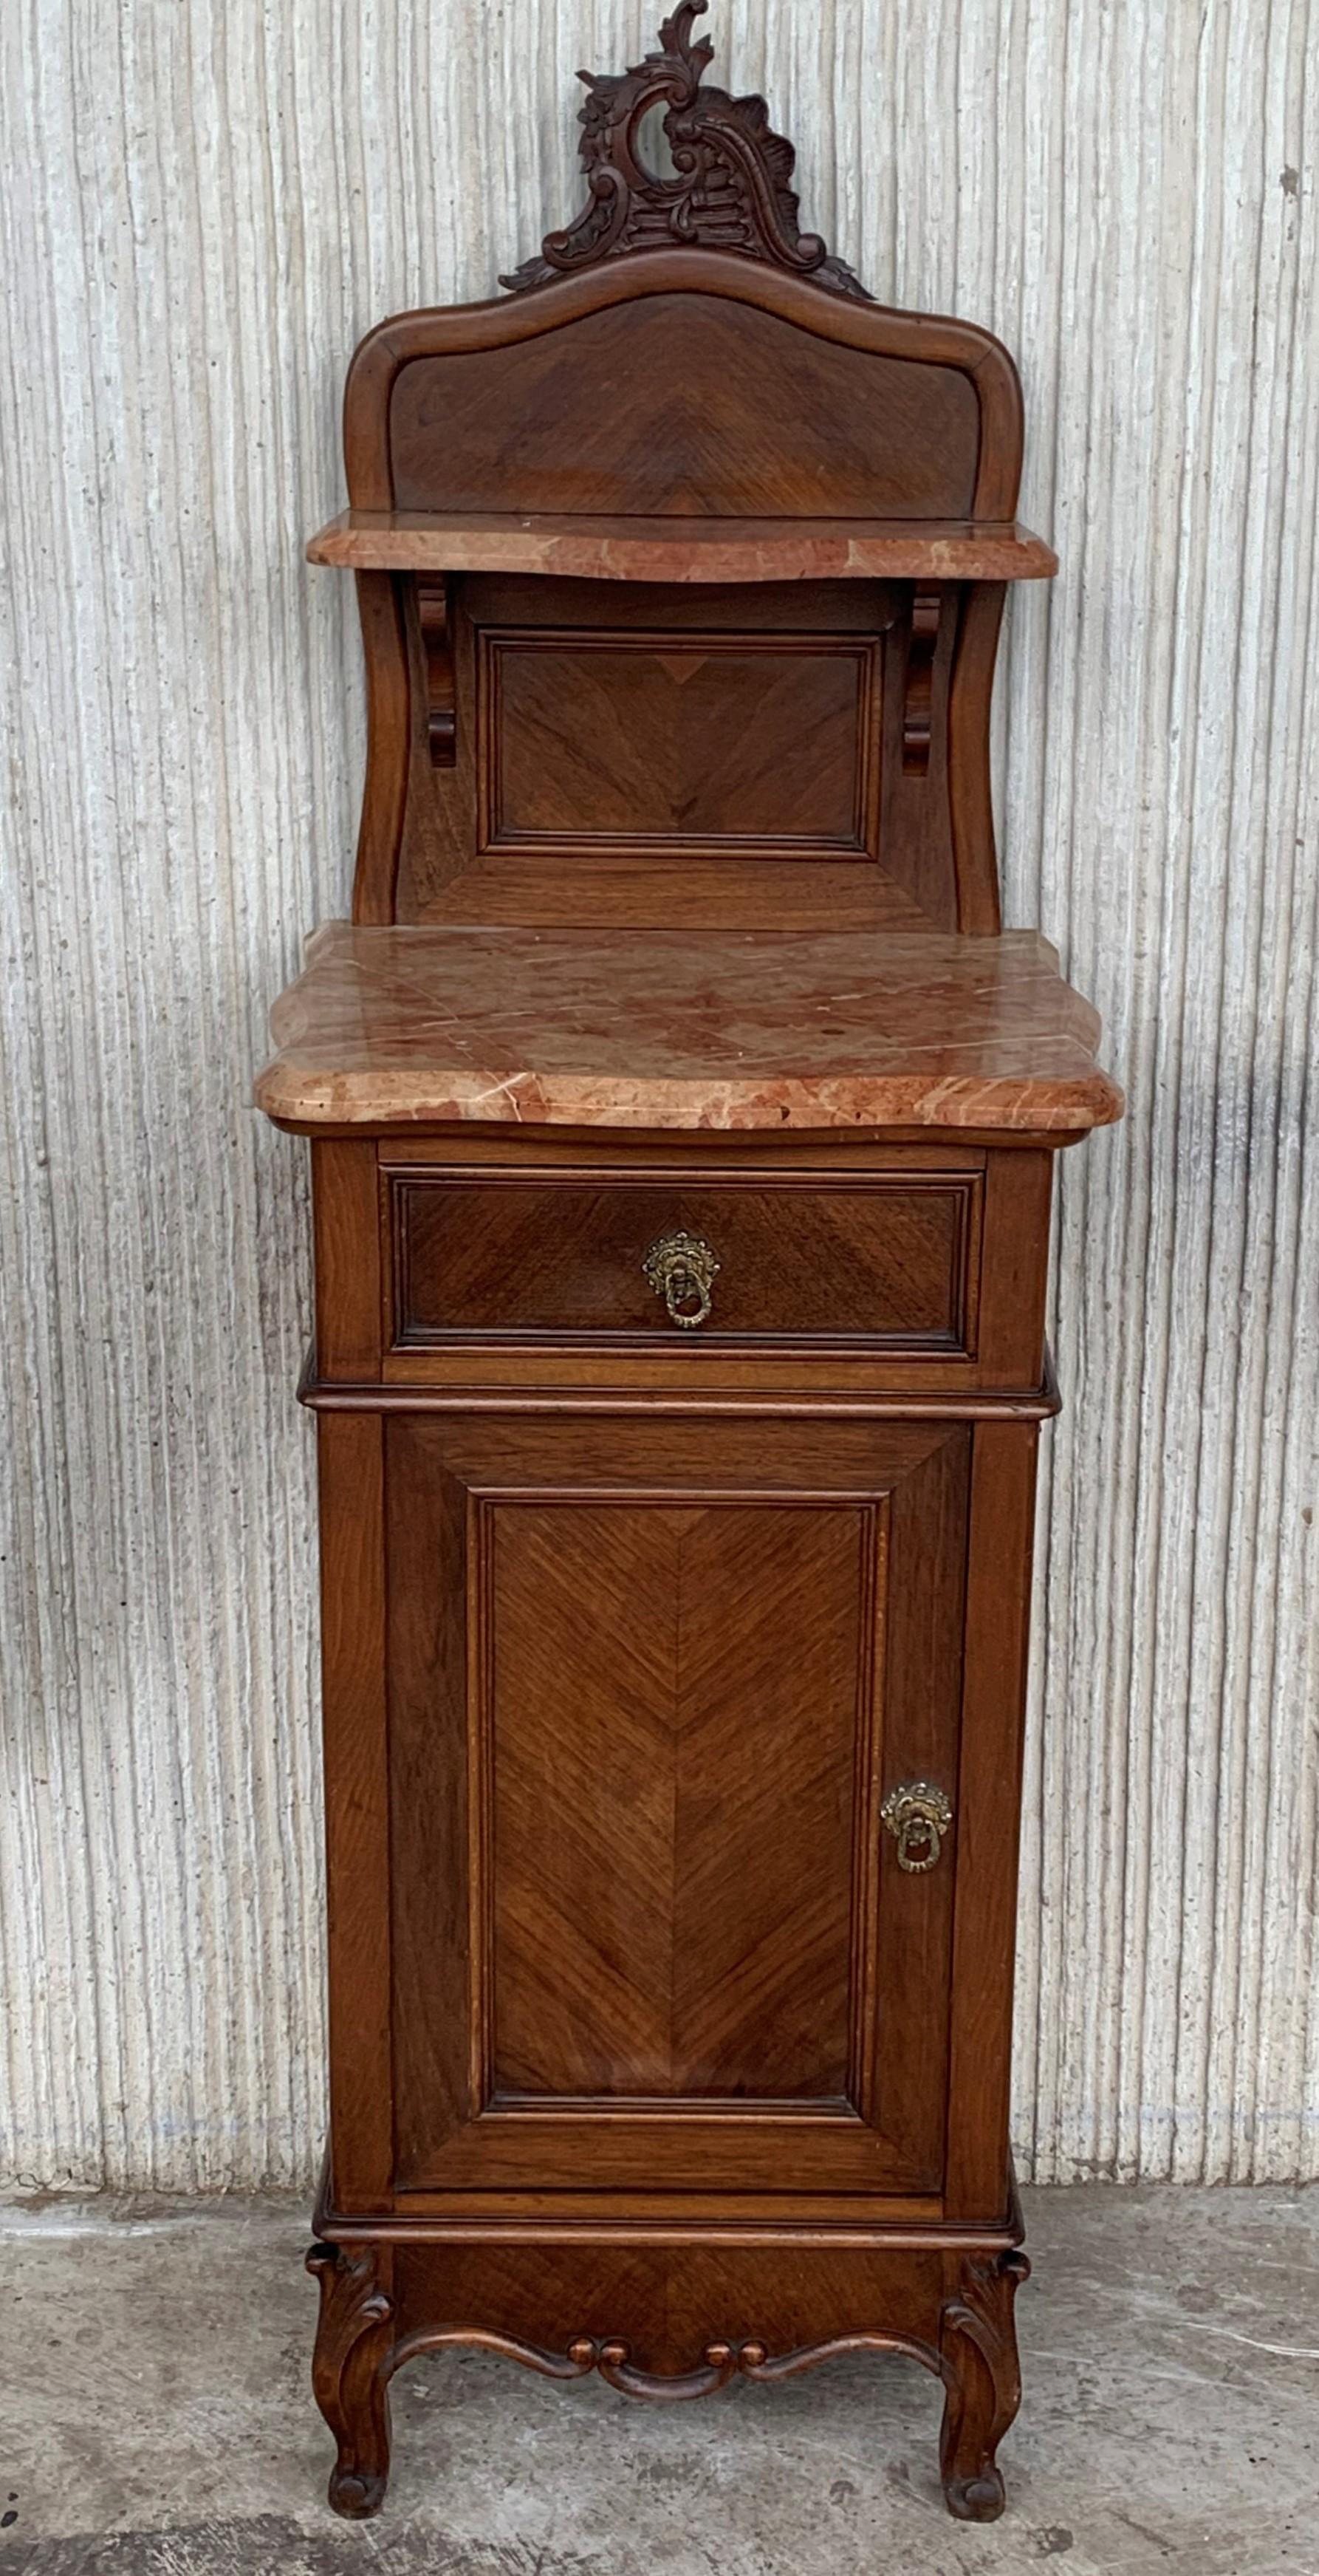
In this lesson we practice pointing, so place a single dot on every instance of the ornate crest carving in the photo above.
(731, 188)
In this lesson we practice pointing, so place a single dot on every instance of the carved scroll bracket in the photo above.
(731, 188)
(437, 645)
(982, 2378)
(918, 697)
(350, 2372)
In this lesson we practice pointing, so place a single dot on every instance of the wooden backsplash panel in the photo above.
(671, 743)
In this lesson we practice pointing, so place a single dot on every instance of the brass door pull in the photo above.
(918, 1816)
(682, 1269)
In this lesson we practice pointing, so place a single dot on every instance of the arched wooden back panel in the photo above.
(709, 749)
(684, 382)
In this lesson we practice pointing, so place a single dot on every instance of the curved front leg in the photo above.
(350, 2373)
(982, 2377)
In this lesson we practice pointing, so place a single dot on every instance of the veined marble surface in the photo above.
(662, 1028)
(683, 548)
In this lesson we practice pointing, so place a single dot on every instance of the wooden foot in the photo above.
(350, 2373)
(982, 2377)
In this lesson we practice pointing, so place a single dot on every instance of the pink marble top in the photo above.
(662, 1028)
(683, 547)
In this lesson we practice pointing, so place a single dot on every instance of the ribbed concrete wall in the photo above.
(202, 208)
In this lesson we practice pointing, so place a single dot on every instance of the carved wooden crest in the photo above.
(731, 188)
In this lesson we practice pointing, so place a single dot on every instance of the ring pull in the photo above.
(682, 1269)
(918, 1816)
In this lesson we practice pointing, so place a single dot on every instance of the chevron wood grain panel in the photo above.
(655, 1766)
(837, 419)
(675, 1743)
(773, 749)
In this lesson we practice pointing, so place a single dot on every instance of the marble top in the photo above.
(683, 547)
(783, 1030)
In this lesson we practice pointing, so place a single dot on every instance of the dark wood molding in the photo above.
(1013, 1404)
(730, 188)
(719, 2362)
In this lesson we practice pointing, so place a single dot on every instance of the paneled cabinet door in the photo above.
(650, 1686)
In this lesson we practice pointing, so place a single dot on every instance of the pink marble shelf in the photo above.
(684, 548)
(661, 1028)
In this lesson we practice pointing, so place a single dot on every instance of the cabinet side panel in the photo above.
(350, 1455)
(389, 726)
(1015, 1270)
(988, 1807)
(438, 2046)
(346, 1221)
(970, 788)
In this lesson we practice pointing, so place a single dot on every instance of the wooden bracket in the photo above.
(437, 645)
(918, 696)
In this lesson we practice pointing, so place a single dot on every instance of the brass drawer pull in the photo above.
(918, 1816)
(681, 1269)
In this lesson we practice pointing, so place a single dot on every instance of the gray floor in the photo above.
(155, 2420)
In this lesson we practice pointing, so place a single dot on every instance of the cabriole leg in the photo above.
(350, 2372)
(982, 2378)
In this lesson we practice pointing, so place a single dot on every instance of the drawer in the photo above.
(881, 1262)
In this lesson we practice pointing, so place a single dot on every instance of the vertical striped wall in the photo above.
(201, 208)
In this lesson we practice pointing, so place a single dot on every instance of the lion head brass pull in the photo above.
(918, 1816)
(682, 1269)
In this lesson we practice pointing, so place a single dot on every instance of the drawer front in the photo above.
(890, 1262)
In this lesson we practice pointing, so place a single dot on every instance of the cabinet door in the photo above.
(649, 1685)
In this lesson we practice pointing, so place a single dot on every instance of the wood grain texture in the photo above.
(717, 409)
(1127, 196)
(694, 308)
(346, 1232)
(350, 1450)
(675, 1969)
(897, 1262)
(602, 740)
(668, 1918)
(384, 800)
(640, 2316)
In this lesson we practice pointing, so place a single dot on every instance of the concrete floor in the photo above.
(155, 2419)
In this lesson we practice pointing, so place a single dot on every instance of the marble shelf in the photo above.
(684, 548)
(425, 1025)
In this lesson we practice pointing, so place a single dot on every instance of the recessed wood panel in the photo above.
(667, 743)
(672, 1788)
(649, 1683)
(686, 404)
(889, 1263)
